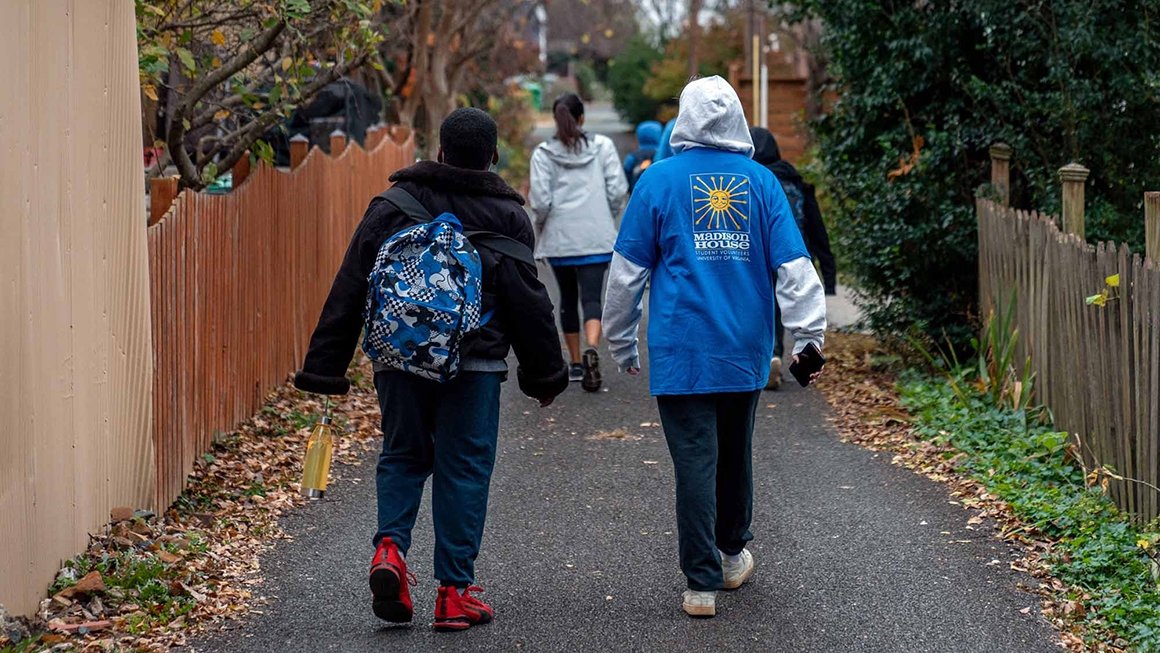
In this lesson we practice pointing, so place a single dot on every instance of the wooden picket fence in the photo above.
(237, 284)
(1097, 368)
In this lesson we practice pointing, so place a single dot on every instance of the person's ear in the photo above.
(439, 156)
(580, 122)
(495, 157)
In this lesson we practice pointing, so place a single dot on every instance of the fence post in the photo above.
(162, 192)
(299, 148)
(1152, 225)
(241, 170)
(1001, 171)
(337, 142)
(375, 136)
(1073, 176)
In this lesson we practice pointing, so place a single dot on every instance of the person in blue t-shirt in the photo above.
(711, 229)
(665, 148)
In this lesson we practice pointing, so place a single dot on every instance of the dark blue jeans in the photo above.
(710, 439)
(448, 431)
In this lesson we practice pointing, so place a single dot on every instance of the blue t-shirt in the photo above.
(713, 227)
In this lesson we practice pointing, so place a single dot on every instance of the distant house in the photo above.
(795, 81)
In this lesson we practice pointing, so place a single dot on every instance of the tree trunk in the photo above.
(694, 37)
(419, 64)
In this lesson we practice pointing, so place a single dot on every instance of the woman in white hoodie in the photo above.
(578, 190)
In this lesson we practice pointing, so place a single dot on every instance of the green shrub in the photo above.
(627, 75)
(934, 84)
(585, 80)
(1029, 465)
(514, 119)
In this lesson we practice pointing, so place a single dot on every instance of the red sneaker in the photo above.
(390, 583)
(455, 611)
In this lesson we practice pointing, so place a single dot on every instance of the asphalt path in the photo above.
(580, 550)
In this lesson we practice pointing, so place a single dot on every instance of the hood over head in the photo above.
(711, 116)
(584, 154)
(767, 153)
(765, 149)
(648, 134)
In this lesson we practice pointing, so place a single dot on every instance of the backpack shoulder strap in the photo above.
(502, 244)
(406, 203)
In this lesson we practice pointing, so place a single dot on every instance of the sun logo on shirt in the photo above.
(720, 202)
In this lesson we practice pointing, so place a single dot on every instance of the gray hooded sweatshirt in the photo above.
(576, 197)
(710, 116)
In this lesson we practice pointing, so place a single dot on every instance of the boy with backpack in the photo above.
(803, 202)
(442, 301)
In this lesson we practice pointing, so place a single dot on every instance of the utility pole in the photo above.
(755, 117)
(694, 37)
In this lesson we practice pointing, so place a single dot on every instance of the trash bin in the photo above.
(537, 95)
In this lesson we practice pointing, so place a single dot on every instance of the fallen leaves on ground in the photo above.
(148, 582)
(615, 434)
(867, 412)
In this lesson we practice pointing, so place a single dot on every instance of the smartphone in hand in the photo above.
(808, 362)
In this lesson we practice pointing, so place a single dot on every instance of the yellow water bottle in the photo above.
(319, 448)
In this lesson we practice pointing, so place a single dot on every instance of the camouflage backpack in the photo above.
(425, 292)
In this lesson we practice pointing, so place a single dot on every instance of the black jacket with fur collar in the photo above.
(523, 318)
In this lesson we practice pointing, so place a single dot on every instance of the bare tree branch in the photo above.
(255, 129)
(190, 174)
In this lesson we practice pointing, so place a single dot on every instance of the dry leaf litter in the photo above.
(867, 412)
(148, 582)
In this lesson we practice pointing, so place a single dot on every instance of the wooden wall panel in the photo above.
(75, 361)
(219, 297)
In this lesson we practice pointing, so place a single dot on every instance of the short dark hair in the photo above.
(468, 137)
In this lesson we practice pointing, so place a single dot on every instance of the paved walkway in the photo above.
(580, 552)
(854, 554)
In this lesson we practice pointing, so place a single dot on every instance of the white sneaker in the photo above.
(774, 374)
(736, 573)
(699, 604)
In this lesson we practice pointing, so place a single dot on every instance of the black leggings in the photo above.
(579, 285)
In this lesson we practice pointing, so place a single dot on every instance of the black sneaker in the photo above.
(576, 373)
(591, 363)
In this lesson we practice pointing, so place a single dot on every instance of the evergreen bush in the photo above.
(926, 87)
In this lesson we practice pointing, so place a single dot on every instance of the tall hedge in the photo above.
(627, 75)
(1061, 81)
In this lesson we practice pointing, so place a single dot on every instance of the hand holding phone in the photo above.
(807, 364)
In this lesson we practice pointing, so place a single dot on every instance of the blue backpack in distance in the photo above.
(797, 201)
(425, 291)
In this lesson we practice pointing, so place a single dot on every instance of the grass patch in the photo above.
(1098, 551)
(142, 591)
(26, 645)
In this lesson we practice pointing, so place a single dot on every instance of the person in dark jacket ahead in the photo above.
(445, 430)
(803, 202)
